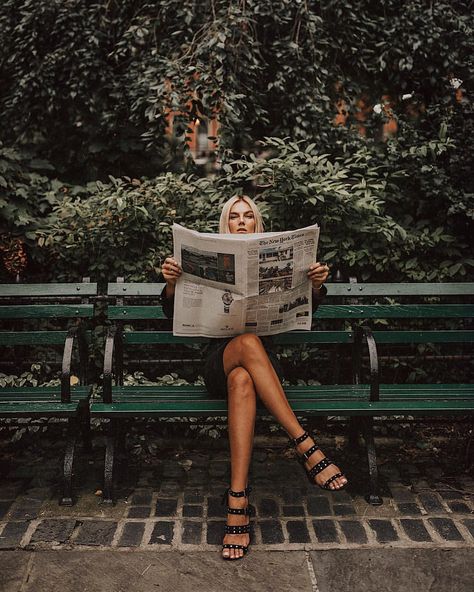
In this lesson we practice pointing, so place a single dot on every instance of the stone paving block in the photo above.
(384, 530)
(141, 498)
(197, 477)
(416, 530)
(297, 532)
(318, 506)
(446, 528)
(215, 532)
(166, 507)
(12, 534)
(139, 512)
(162, 533)
(191, 533)
(293, 511)
(459, 508)
(192, 511)
(353, 531)
(132, 534)
(215, 509)
(271, 531)
(4, 508)
(469, 524)
(343, 509)
(25, 512)
(193, 496)
(267, 507)
(325, 531)
(408, 508)
(292, 496)
(450, 494)
(340, 497)
(432, 503)
(49, 531)
(96, 532)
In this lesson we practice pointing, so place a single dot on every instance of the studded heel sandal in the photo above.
(244, 529)
(319, 467)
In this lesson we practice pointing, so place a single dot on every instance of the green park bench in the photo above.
(400, 306)
(31, 315)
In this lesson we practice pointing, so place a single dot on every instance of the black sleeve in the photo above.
(319, 297)
(167, 304)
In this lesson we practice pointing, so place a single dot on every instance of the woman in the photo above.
(242, 368)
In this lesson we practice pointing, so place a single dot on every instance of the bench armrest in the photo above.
(362, 335)
(74, 335)
(113, 345)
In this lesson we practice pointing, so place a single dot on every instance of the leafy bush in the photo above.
(370, 221)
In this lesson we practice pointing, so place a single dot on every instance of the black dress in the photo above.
(213, 373)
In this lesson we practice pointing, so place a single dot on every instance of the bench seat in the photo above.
(407, 399)
(40, 401)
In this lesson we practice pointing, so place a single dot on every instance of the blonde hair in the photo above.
(224, 219)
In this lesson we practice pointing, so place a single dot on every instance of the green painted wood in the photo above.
(52, 394)
(47, 311)
(294, 337)
(327, 311)
(402, 289)
(219, 407)
(424, 336)
(38, 290)
(36, 337)
(395, 311)
(317, 389)
(38, 409)
(135, 289)
(352, 290)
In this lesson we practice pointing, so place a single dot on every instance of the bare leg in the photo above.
(247, 351)
(241, 421)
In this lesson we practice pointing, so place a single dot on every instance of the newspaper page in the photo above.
(253, 283)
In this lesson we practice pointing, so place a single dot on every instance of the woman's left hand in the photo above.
(318, 274)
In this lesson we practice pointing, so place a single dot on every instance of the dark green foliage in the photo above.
(87, 86)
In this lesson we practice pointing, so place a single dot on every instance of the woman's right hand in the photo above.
(171, 271)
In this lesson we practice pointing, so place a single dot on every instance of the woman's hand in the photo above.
(171, 271)
(318, 274)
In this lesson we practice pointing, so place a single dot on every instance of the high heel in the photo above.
(244, 529)
(318, 467)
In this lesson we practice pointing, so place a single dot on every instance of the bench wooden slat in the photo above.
(219, 407)
(451, 336)
(328, 311)
(41, 393)
(46, 311)
(344, 289)
(36, 337)
(39, 290)
(38, 409)
(293, 337)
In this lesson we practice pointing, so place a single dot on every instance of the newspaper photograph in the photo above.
(253, 283)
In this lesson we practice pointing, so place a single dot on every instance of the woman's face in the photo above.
(241, 218)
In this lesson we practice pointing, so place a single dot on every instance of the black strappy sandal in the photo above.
(244, 529)
(320, 466)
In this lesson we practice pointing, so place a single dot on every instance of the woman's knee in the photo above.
(248, 343)
(240, 381)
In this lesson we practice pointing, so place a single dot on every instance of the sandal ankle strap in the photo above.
(296, 441)
(229, 491)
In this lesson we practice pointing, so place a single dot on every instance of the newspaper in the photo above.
(252, 283)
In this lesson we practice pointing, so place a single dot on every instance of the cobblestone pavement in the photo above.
(172, 501)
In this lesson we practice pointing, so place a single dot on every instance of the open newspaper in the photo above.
(233, 284)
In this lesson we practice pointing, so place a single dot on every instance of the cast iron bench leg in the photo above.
(373, 498)
(66, 499)
(109, 462)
